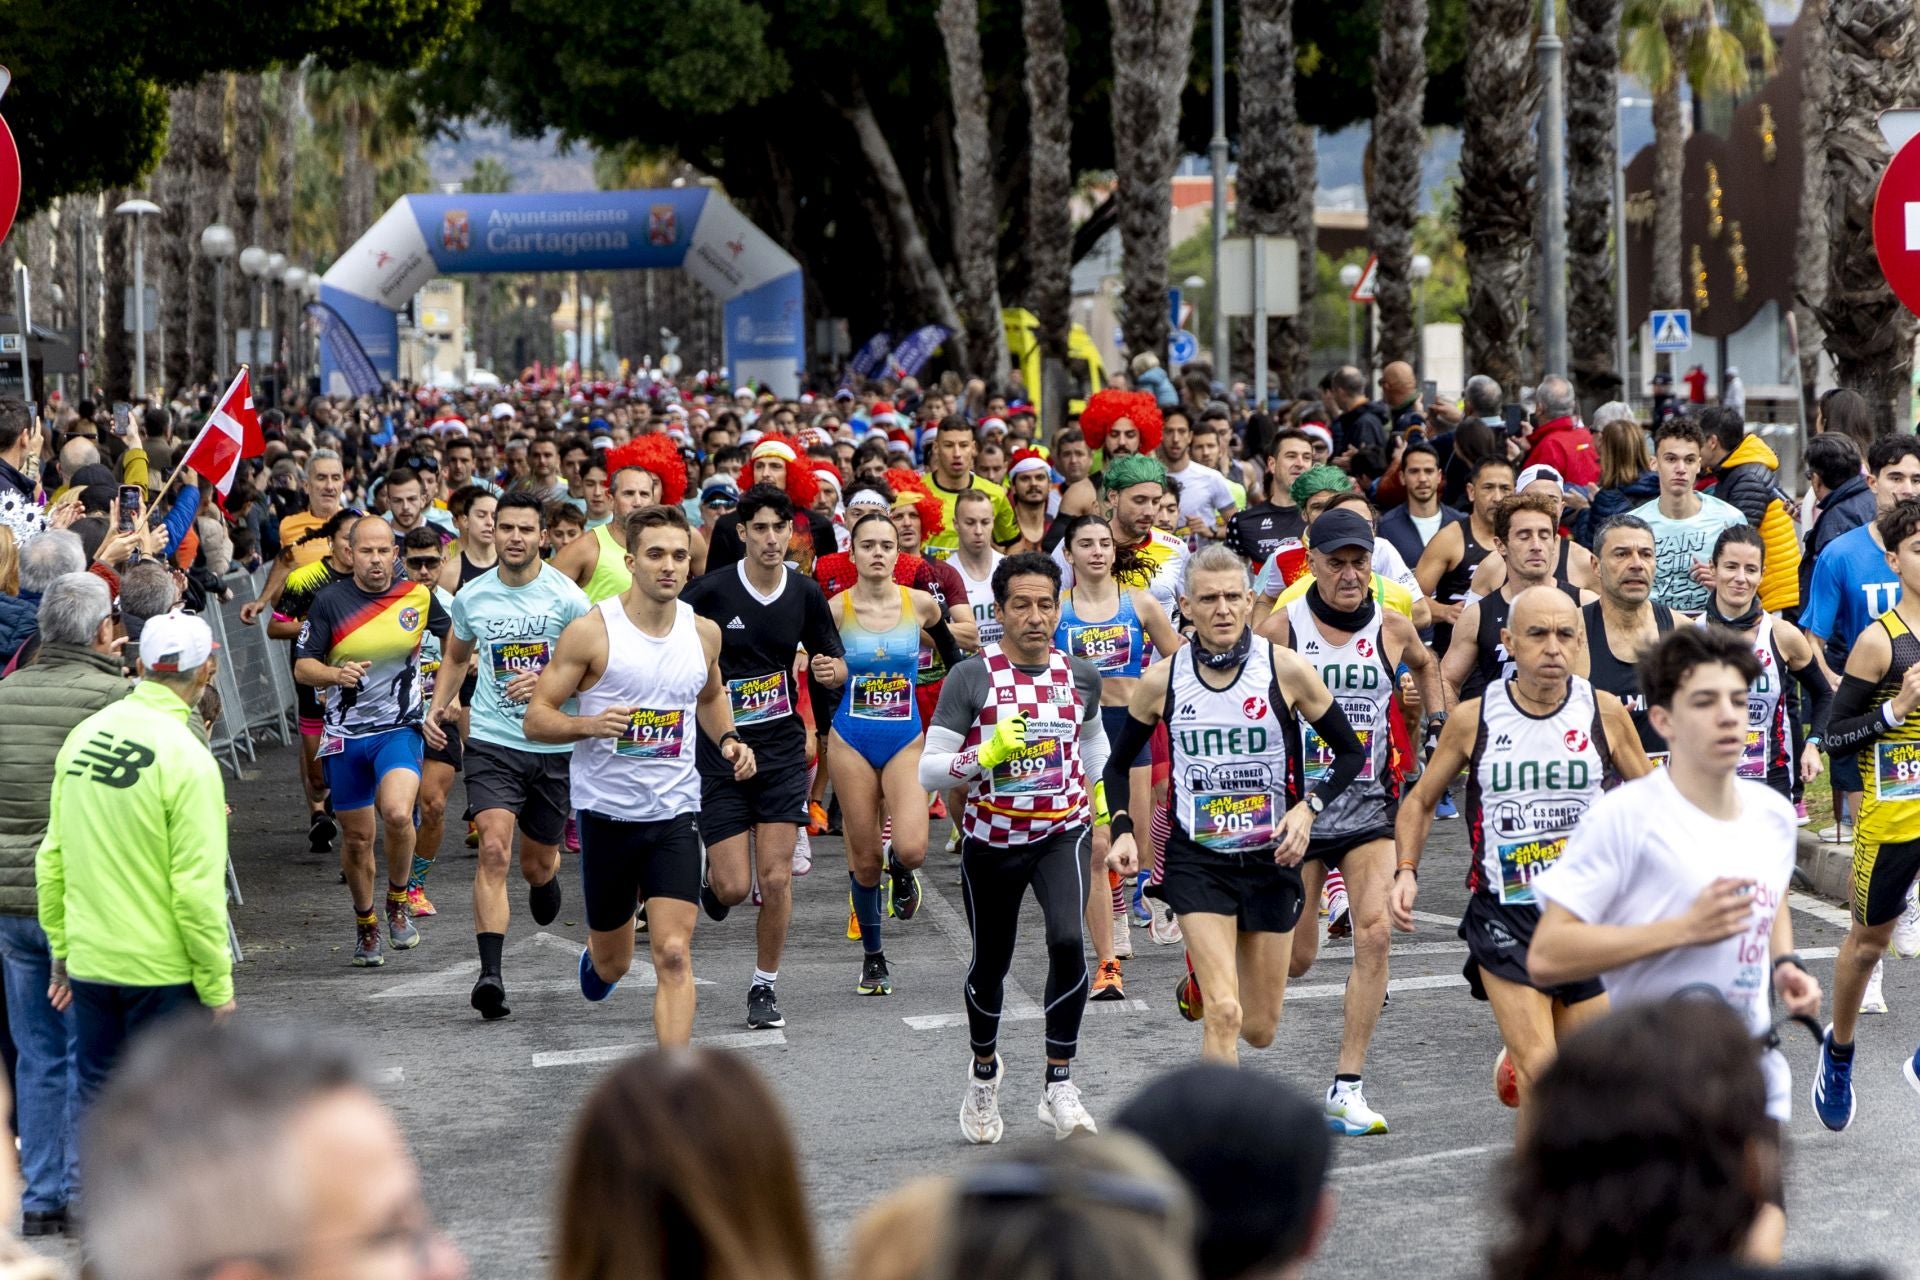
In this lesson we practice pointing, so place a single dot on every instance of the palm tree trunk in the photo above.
(1593, 58)
(169, 245)
(1399, 146)
(1271, 186)
(1152, 45)
(1497, 194)
(208, 204)
(1810, 266)
(1049, 184)
(1869, 333)
(976, 221)
(250, 125)
(279, 221)
(1668, 285)
(114, 349)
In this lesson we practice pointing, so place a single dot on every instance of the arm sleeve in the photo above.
(1093, 750)
(943, 761)
(1349, 757)
(197, 827)
(943, 641)
(1853, 722)
(1819, 696)
(1134, 735)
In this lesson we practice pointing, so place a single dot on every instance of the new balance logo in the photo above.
(736, 624)
(117, 764)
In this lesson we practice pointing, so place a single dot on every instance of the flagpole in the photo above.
(153, 503)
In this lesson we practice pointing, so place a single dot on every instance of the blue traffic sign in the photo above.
(1183, 346)
(1672, 331)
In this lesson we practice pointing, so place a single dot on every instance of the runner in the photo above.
(1447, 565)
(1020, 726)
(1538, 744)
(361, 644)
(1242, 812)
(513, 617)
(1524, 532)
(1356, 647)
(1573, 564)
(424, 560)
(1263, 528)
(644, 473)
(1134, 486)
(1114, 628)
(645, 668)
(1876, 717)
(876, 738)
(949, 474)
(765, 614)
(1624, 622)
(973, 562)
(1679, 879)
(778, 461)
(1030, 487)
(1412, 526)
(1206, 503)
(472, 509)
(1684, 521)
(1119, 424)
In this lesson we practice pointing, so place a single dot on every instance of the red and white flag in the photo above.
(232, 432)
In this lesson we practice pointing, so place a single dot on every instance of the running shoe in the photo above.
(763, 1011)
(938, 809)
(321, 829)
(906, 891)
(980, 1120)
(640, 919)
(1833, 1087)
(1122, 936)
(802, 852)
(1348, 1114)
(1911, 1070)
(1107, 984)
(570, 836)
(1506, 1082)
(1163, 928)
(366, 951)
(874, 978)
(418, 905)
(1186, 998)
(1339, 915)
(1063, 1110)
(490, 997)
(1445, 808)
(400, 931)
(473, 835)
(853, 921)
(592, 985)
(1906, 930)
(710, 903)
(1800, 818)
(1838, 833)
(1874, 999)
(816, 818)
(1142, 908)
(543, 900)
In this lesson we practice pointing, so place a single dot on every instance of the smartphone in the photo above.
(1513, 418)
(131, 496)
(122, 415)
(1429, 393)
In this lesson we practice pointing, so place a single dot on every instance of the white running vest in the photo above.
(1362, 684)
(647, 775)
(1230, 755)
(1530, 780)
(1769, 741)
(980, 599)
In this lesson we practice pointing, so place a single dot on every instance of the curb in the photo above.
(1829, 867)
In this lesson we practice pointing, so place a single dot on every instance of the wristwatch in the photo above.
(731, 735)
(1315, 803)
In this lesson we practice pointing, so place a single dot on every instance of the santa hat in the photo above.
(1028, 460)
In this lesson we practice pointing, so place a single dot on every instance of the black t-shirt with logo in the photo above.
(1259, 531)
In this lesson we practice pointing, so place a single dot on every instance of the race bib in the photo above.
(653, 735)
(330, 746)
(1896, 771)
(1038, 768)
(758, 699)
(428, 670)
(1107, 645)
(1319, 756)
(1520, 863)
(880, 697)
(1753, 760)
(518, 657)
(1234, 822)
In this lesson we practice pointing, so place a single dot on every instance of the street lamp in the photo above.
(295, 281)
(1420, 268)
(1628, 385)
(139, 211)
(219, 243)
(1349, 277)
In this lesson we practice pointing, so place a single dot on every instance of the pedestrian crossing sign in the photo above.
(1672, 331)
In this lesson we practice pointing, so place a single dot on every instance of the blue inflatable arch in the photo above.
(694, 229)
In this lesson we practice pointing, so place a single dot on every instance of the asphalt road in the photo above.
(873, 1086)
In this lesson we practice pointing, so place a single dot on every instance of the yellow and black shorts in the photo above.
(1883, 870)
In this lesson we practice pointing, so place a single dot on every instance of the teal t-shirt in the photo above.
(513, 629)
(1678, 543)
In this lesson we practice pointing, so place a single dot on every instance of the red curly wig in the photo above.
(658, 454)
(1104, 408)
(802, 487)
(933, 515)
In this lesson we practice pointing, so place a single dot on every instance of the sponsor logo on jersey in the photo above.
(1513, 817)
(1576, 740)
(1502, 742)
(1363, 647)
(736, 624)
(1311, 646)
(409, 619)
(1254, 708)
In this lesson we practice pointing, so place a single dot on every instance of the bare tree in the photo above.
(976, 220)
(1152, 44)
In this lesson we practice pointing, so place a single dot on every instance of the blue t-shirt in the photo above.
(1677, 544)
(513, 629)
(1851, 586)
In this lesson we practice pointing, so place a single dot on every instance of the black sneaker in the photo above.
(490, 997)
(43, 1222)
(710, 903)
(906, 890)
(544, 900)
(874, 978)
(321, 829)
(762, 1010)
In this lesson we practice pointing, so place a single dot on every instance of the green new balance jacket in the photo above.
(132, 873)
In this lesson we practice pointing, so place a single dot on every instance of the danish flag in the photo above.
(232, 432)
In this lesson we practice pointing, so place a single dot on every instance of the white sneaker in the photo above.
(1164, 929)
(1906, 932)
(802, 852)
(980, 1120)
(953, 840)
(1063, 1111)
(1838, 833)
(1339, 919)
(1122, 935)
(1348, 1114)
(1874, 1000)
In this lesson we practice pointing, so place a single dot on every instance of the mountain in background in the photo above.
(537, 164)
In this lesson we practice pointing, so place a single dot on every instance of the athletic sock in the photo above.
(420, 868)
(1346, 1078)
(544, 900)
(986, 1070)
(396, 893)
(761, 978)
(491, 945)
(867, 910)
(1160, 830)
(1059, 1072)
(1840, 1052)
(1117, 884)
(1336, 883)
(366, 917)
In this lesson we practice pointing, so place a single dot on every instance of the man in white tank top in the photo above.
(646, 670)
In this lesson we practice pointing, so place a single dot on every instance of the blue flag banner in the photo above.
(867, 358)
(915, 349)
(348, 356)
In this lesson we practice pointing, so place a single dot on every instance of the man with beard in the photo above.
(1625, 622)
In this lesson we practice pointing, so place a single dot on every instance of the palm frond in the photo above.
(1644, 54)
(1716, 62)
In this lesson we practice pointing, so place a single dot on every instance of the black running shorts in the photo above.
(452, 753)
(533, 785)
(1332, 849)
(623, 863)
(1497, 939)
(1882, 873)
(1261, 895)
(729, 808)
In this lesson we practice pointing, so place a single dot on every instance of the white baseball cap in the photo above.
(501, 410)
(1538, 471)
(175, 642)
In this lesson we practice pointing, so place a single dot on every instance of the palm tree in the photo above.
(1273, 191)
(1869, 334)
(1705, 44)
(208, 198)
(170, 254)
(1049, 185)
(976, 229)
(1810, 239)
(1593, 43)
(251, 123)
(1399, 145)
(115, 373)
(1497, 194)
(1152, 46)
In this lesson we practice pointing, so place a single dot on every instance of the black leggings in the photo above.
(994, 879)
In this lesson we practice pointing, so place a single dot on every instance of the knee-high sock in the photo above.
(1162, 830)
(867, 909)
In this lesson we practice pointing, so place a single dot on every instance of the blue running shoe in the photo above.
(592, 985)
(1911, 1069)
(1445, 808)
(1833, 1087)
(1142, 911)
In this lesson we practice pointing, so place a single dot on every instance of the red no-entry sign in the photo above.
(1896, 224)
(9, 167)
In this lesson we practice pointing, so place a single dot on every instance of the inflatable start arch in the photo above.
(694, 229)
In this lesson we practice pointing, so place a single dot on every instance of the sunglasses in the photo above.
(423, 562)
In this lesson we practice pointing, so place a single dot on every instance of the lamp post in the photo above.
(1217, 164)
(1420, 268)
(253, 264)
(1620, 325)
(139, 211)
(1349, 277)
(1553, 189)
(295, 280)
(219, 243)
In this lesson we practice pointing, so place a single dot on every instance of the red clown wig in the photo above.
(802, 487)
(1104, 408)
(655, 453)
(908, 486)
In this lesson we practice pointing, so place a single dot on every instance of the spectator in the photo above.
(1090, 1209)
(899, 1234)
(1846, 411)
(76, 674)
(1150, 377)
(147, 590)
(1746, 476)
(252, 1151)
(1558, 440)
(1627, 478)
(20, 446)
(132, 873)
(1843, 500)
(681, 1164)
(1361, 422)
(1253, 1153)
(52, 555)
(9, 563)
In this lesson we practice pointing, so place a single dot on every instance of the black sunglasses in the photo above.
(423, 562)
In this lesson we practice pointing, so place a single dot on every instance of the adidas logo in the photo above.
(1502, 741)
(736, 624)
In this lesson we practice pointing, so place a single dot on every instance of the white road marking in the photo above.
(617, 1052)
(1095, 1008)
(458, 979)
(1403, 1163)
(949, 924)
(1433, 917)
(1334, 990)
(389, 1075)
(1819, 909)
(1345, 950)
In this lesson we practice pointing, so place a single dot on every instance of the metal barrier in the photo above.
(254, 679)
